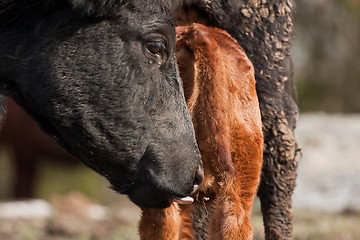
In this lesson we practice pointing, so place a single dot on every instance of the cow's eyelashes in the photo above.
(155, 50)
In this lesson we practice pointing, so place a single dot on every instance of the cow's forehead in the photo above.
(111, 8)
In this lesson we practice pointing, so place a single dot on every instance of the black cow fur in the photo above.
(106, 88)
(76, 46)
(2, 109)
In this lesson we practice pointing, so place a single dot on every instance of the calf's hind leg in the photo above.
(231, 217)
(160, 224)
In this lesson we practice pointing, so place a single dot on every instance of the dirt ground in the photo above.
(326, 201)
(75, 217)
(70, 216)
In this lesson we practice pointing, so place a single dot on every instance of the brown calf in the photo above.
(219, 87)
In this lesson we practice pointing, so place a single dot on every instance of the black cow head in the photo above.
(101, 78)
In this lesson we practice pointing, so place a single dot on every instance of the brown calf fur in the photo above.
(219, 87)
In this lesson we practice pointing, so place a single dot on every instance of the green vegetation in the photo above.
(327, 54)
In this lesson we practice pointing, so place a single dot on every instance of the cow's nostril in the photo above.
(199, 177)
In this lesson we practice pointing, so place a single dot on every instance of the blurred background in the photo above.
(327, 55)
(76, 203)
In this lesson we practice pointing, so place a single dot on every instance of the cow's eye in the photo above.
(155, 47)
(156, 50)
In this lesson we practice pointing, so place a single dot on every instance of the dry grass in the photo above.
(313, 225)
(308, 225)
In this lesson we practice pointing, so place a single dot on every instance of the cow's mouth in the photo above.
(187, 200)
(148, 196)
(154, 187)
